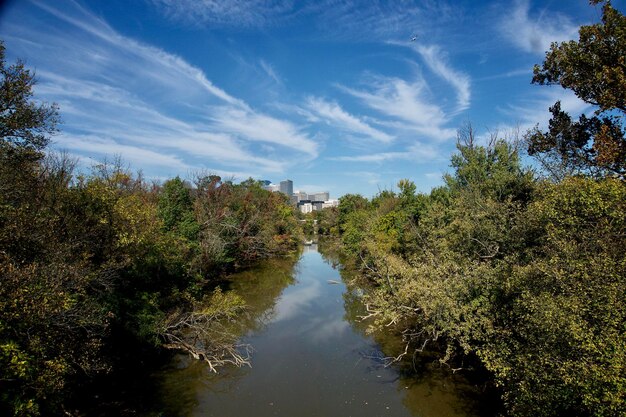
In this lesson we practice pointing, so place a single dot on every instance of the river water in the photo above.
(311, 357)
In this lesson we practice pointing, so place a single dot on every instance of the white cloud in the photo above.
(97, 145)
(115, 113)
(372, 178)
(339, 19)
(530, 112)
(256, 126)
(129, 57)
(378, 20)
(335, 115)
(435, 60)
(418, 152)
(270, 71)
(242, 13)
(535, 34)
(521, 72)
(408, 103)
(119, 90)
(377, 157)
(527, 113)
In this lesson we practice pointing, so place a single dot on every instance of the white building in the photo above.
(271, 187)
(306, 208)
(330, 203)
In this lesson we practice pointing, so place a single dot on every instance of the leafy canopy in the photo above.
(594, 68)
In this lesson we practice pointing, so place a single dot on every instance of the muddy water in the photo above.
(311, 358)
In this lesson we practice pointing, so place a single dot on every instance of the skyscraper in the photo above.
(286, 187)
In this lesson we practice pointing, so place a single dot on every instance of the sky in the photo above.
(342, 96)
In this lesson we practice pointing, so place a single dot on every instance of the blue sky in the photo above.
(332, 94)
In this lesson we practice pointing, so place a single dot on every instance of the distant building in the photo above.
(271, 187)
(286, 187)
(330, 203)
(301, 195)
(322, 196)
(317, 205)
(305, 207)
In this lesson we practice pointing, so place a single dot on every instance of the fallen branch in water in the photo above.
(208, 333)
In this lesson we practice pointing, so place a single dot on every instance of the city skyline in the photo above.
(290, 191)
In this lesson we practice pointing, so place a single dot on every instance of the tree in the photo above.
(176, 208)
(24, 124)
(594, 68)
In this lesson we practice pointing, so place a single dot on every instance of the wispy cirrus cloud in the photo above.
(435, 59)
(437, 62)
(530, 112)
(535, 33)
(256, 126)
(120, 90)
(241, 13)
(270, 71)
(408, 103)
(101, 147)
(98, 110)
(335, 115)
(379, 20)
(338, 19)
(418, 152)
(123, 56)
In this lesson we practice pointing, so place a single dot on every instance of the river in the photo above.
(312, 357)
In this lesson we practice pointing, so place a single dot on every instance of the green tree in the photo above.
(594, 68)
(176, 208)
(24, 123)
(559, 348)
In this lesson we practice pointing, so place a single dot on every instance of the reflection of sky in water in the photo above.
(310, 362)
(316, 305)
(293, 302)
(324, 330)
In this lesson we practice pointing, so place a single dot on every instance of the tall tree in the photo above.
(594, 68)
(23, 122)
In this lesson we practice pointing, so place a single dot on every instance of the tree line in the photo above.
(96, 267)
(517, 271)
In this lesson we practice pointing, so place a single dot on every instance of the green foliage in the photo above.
(594, 68)
(241, 223)
(570, 313)
(348, 204)
(92, 265)
(176, 208)
(24, 124)
(528, 278)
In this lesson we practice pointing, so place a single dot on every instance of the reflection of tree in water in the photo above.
(260, 287)
(430, 388)
(182, 380)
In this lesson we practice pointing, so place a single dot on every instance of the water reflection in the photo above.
(312, 356)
